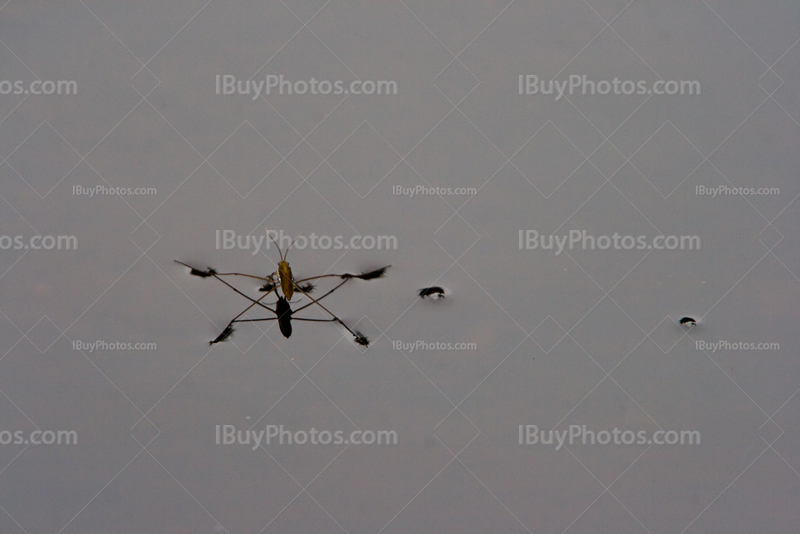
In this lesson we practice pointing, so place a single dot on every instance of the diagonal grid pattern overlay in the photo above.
(546, 212)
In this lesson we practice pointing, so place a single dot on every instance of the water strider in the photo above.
(284, 280)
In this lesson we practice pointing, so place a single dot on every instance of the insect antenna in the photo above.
(290, 246)
(276, 245)
(282, 255)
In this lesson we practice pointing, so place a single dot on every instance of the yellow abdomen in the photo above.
(287, 284)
